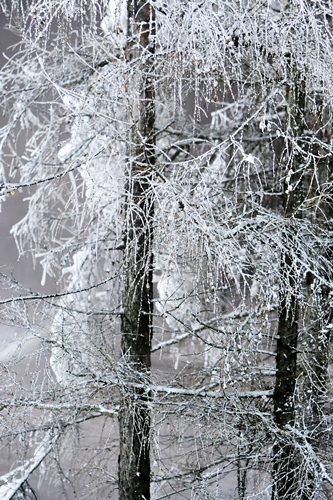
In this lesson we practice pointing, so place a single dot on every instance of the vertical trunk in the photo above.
(136, 324)
(285, 465)
(293, 477)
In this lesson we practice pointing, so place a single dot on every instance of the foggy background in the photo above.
(14, 207)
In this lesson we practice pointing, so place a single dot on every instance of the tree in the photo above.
(137, 305)
(177, 160)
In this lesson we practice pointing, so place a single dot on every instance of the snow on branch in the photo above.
(48, 296)
(16, 478)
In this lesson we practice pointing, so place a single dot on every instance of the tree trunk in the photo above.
(285, 467)
(285, 460)
(136, 323)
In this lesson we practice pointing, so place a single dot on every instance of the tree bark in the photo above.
(136, 322)
(285, 459)
(285, 467)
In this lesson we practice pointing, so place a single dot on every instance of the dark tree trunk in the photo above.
(134, 418)
(285, 460)
(285, 466)
(136, 324)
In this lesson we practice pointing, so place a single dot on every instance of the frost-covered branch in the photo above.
(17, 477)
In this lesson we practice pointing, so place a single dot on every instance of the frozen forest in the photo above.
(175, 159)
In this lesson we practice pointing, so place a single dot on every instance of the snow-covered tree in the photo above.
(177, 160)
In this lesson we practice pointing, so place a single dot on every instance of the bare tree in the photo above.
(177, 162)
